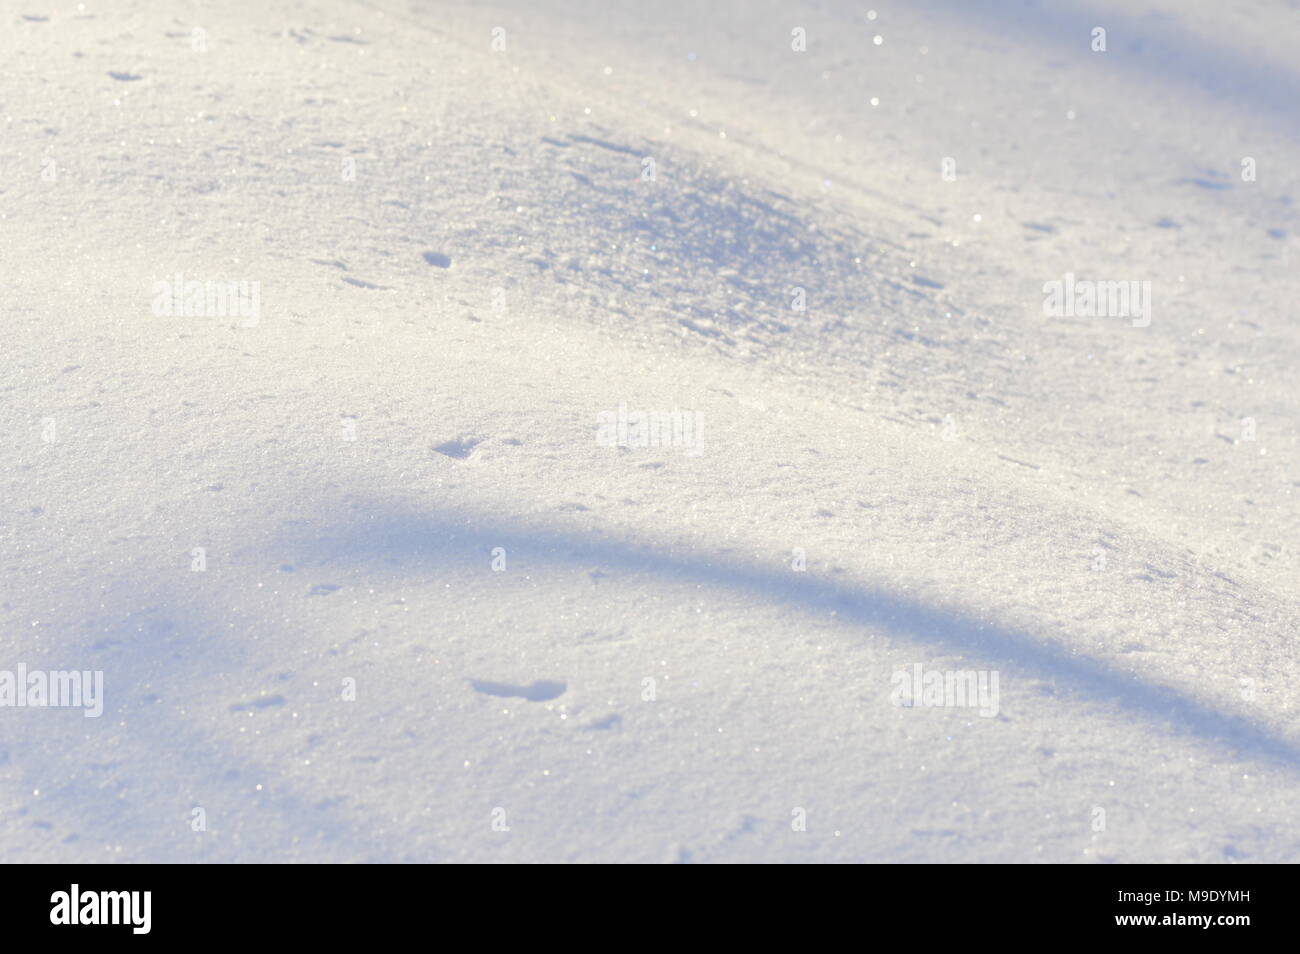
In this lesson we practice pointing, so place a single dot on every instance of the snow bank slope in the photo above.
(438, 619)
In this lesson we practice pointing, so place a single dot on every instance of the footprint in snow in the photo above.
(364, 284)
(262, 702)
(539, 691)
(459, 448)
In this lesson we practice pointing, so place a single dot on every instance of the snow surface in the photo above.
(463, 266)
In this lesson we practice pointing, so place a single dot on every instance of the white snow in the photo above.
(437, 619)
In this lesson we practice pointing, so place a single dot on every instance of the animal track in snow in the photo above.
(539, 691)
(459, 447)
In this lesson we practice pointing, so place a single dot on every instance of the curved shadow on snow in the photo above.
(396, 542)
(1153, 45)
(132, 777)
